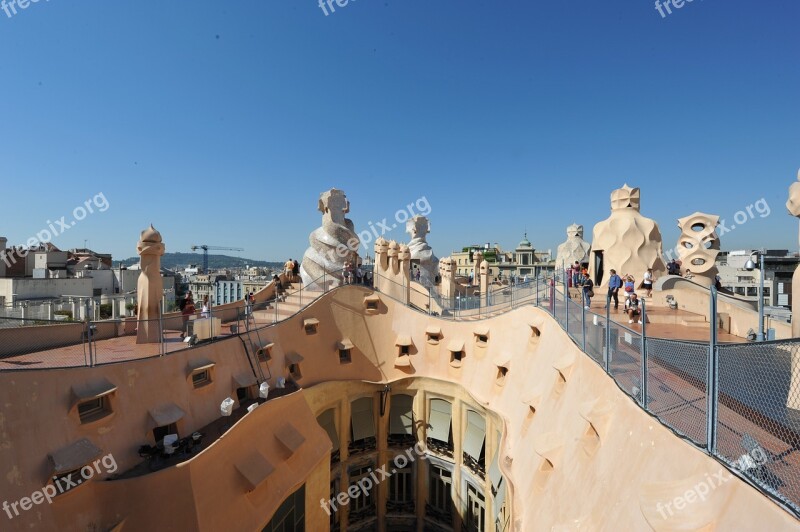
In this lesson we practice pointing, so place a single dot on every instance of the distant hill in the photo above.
(215, 262)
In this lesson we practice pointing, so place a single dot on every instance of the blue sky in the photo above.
(221, 122)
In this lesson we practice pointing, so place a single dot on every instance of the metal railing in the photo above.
(737, 402)
(34, 342)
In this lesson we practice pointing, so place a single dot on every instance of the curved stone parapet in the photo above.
(333, 244)
(421, 252)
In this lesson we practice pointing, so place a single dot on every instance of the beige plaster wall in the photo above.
(576, 451)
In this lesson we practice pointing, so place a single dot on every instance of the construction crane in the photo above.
(206, 247)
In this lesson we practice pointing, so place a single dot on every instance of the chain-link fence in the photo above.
(677, 386)
(759, 382)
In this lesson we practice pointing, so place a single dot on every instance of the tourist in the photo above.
(614, 284)
(359, 275)
(673, 268)
(632, 308)
(188, 310)
(629, 286)
(296, 270)
(417, 275)
(288, 268)
(588, 292)
(576, 274)
(344, 272)
(647, 282)
(206, 310)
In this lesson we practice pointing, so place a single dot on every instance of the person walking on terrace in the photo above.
(188, 310)
(288, 268)
(614, 284)
(647, 282)
(206, 312)
(576, 274)
(588, 292)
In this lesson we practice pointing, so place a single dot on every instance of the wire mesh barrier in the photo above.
(677, 386)
(625, 360)
(757, 383)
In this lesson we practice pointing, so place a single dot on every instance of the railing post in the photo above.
(89, 340)
(712, 377)
(566, 304)
(537, 291)
(163, 349)
(583, 319)
(608, 334)
(644, 355)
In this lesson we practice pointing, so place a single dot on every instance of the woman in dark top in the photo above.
(188, 310)
(588, 292)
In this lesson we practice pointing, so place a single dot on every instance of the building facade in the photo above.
(779, 266)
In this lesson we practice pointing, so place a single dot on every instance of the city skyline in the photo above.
(222, 127)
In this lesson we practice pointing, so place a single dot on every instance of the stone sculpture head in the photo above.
(403, 253)
(381, 246)
(575, 231)
(626, 198)
(150, 235)
(334, 204)
(699, 243)
(393, 248)
(418, 227)
(150, 243)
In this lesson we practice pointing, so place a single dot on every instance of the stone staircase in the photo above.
(293, 299)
